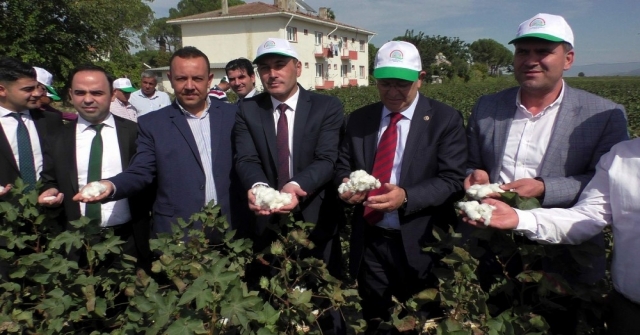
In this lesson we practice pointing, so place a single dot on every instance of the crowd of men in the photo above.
(542, 139)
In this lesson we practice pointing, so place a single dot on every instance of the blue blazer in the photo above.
(168, 156)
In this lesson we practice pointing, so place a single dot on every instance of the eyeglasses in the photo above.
(400, 85)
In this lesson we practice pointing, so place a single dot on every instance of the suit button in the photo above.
(202, 187)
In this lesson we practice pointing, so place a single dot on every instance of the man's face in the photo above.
(539, 65)
(279, 75)
(190, 79)
(148, 86)
(44, 99)
(240, 82)
(21, 94)
(397, 94)
(90, 95)
(122, 96)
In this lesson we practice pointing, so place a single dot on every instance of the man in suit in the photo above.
(543, 138)
(416, 147)
(69, 162)
(287, 138)
(185, 148)
(23, 127)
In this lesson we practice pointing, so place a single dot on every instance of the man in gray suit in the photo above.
(543, 138)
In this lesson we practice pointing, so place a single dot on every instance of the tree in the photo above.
(168, 37)
(491, 53)
(581, 74)
(58, 35)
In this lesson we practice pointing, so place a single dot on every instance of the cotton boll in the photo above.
(479, 192)
(93, 189)
(268, 198)
(1, 189)
(359, 181)
(476, 211)
(50, 198)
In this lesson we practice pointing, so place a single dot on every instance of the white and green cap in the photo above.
(45, 78)
(397, 60)
(124, 85)
(548, 27)
(275, 46)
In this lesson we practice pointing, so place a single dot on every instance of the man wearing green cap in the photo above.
(544, 138)
(416, 147)
(120, 105)
(45, 79)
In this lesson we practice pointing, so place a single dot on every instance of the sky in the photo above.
(605, 31)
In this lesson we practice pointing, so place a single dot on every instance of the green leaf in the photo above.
(193, 291)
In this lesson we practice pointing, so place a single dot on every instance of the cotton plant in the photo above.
(479, 192)
(93, 189)
(269, 198)
(359, 181)
(476, 211)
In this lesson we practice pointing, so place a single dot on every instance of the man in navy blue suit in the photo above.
(185, 148)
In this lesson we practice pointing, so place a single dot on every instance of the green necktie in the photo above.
(93, 211)
(25, 154)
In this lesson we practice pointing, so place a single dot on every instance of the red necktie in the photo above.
(282, 143)
(383, 164)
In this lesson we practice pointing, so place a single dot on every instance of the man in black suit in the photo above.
(23, 127)
(416, 147)
(69, 157)
(287, 138)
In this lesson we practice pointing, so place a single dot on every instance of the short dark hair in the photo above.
(90, 67)
(189, 52)
(240, 64)
(12, 69)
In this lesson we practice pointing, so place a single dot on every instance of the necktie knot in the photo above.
(97, 127)
(282, 108)
(17, 116)
(395, 117)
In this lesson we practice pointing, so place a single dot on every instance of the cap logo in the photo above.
(537, 22)
(269, 44)
(396, 56)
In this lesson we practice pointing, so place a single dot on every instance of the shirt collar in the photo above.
(292, 102)
(84, 124)
(140, 94)
(5, 112)
(407, 113)
(557, 102)
(187, 114)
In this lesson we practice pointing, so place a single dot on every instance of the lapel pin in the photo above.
(426, 118)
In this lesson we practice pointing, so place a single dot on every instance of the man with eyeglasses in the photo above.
(416, 147)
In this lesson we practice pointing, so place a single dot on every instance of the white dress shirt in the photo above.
(250, 94)
(123, 110)
(10, 128)
(145, 104)
(528, 140)
(115, 212)
(611, 198)
(292, 102)
(391, 220)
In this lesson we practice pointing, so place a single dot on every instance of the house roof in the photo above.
(258, 8)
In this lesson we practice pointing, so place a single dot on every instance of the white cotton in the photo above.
(268, 198)
(93, 189)
(1, 189)
(476, 211)
(359, 181)
(50, 198)
(480, 192)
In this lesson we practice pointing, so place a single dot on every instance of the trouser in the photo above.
(623, 315)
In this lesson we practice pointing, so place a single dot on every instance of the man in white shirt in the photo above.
(611, 198)
(242, 78)
(120, 105)
(98, 145)
(148, 99)
(543, 139)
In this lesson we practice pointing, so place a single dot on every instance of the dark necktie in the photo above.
(94, 173)
(282, 141)
(383, 164)
(25, 154)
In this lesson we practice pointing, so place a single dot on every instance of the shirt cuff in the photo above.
(527, 224)
(259, 184)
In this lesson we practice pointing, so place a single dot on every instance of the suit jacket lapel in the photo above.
(5, 151)
(68, 146)
(183, 127)
(215, 118)
(370, 140)
(302, 111)
(503, 118)
(268, 125)
(419, 126)
(122, 131)
(569, 108)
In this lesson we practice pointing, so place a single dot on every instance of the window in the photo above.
(306, 65)
(362, 72)
(306, 32)
(362, 45)
(345, 39)
(353, 40)
(335, 66)
(292, 34)
(318, 70)
(318, 38)
(344, 69)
